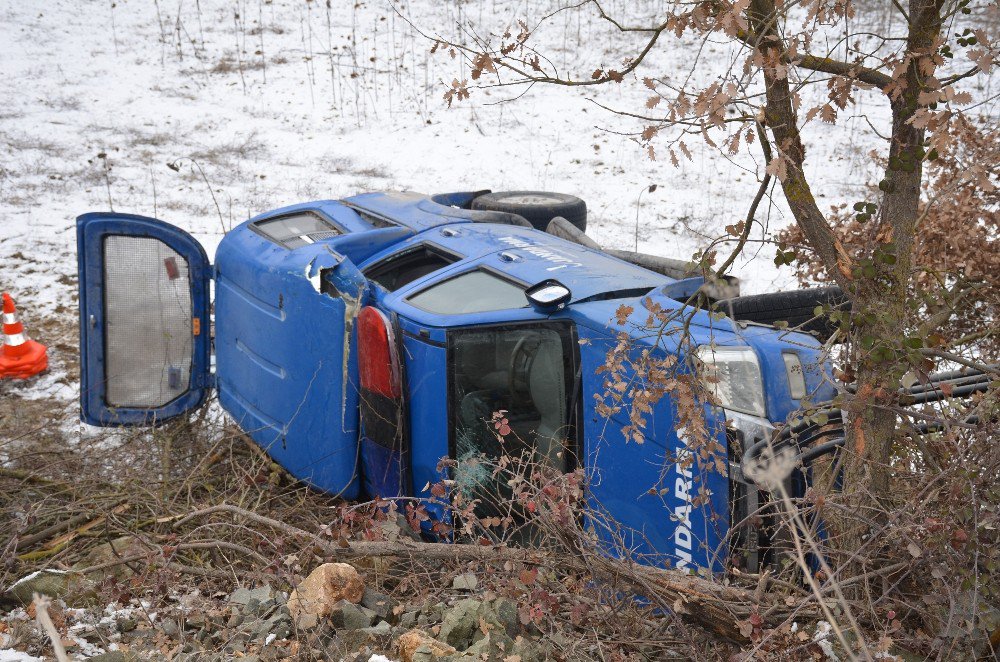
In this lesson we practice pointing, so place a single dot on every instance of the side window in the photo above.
(401, 269)
(527, 372)
(295, 230)
(471, 292)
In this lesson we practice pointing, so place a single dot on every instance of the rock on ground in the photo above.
(465, 582)
(417, 646)
(53, 583)
(464, 624)
(380, 603)
(316, 596)
(346, 615)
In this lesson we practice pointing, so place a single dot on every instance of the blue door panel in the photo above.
(642, 486)
(426, 369)
(285, 354)
(94, 230)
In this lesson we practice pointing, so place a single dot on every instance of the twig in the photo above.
(200, 572)
(17, 474)
(209, 544)
(220, 544)
(41, 603)
(50, 531)
(752, 212)
(951, 356)
(351, 549)
(174, 166)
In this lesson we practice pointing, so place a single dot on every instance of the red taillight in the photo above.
(378, 361)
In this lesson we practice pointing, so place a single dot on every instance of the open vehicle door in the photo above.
(144, 320)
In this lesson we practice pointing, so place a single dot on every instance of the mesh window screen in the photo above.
(295, 230)
(147, 308)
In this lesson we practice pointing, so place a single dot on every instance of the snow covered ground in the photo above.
(205, 113)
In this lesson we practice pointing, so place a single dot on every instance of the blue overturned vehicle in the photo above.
(360, 341)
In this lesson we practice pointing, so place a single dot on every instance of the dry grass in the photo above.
(67, 499)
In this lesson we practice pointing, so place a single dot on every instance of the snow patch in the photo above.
(28, 578)
(10, 655)
(822, 638)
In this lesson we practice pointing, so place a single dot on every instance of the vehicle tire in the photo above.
(539, 207)
(796, 308)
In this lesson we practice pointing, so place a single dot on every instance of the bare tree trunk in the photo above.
(879, 284)
(882, 293)
(782, 120)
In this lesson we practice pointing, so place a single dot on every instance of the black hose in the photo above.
(956, 378)
(936, 394)
(937, 426)
(809, 455)
(949, 375)
(961, 380)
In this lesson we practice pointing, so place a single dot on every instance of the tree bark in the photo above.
(882, 295)
(879, 283)
(782, 119)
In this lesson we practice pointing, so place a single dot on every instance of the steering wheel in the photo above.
(520, 362)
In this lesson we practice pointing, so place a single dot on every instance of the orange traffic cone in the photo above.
(20, 357)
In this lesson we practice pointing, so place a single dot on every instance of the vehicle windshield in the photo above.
(511, 391)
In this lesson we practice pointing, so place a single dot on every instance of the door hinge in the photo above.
(206, 380)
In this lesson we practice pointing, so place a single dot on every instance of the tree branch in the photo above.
(367, 548)
(603, 14)
(902, 11)
(950, 80)
(828, 66)
(821, 64)
(950, 356)
(782, 119)
(765, 146)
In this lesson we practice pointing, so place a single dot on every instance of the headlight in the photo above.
(732, 376)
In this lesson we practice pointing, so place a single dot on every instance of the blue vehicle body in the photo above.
(286, 352)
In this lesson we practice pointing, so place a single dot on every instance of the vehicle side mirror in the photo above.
(548, 295)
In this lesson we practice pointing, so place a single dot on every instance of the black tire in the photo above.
(797, 308)
(538, 207)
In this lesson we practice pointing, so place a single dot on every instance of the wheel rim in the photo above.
(532, 199)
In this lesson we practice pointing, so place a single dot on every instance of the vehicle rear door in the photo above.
(144, 320)
(286, 359)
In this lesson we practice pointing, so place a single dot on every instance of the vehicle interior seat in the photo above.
(547, 385)
(522, 374)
